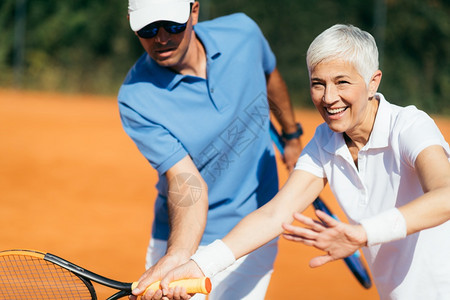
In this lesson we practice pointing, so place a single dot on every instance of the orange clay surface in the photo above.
(73, 184)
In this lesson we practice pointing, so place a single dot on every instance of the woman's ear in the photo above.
(374, 83)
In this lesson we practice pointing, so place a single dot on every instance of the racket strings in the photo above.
(28, 277)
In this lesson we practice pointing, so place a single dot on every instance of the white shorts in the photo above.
(248, 278)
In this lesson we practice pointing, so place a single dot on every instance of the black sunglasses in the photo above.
(151, 30)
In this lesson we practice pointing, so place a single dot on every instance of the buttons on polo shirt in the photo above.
(211, 90)
(363, 199)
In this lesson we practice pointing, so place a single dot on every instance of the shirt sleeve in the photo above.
(418, 131)
(155, 142)
(268, 57)
(309, 159)
(269, 60)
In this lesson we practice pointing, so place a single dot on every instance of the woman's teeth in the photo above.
(335, 111)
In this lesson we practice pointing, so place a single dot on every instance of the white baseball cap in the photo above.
(144, 12)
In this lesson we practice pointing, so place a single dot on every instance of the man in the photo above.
(196, 106)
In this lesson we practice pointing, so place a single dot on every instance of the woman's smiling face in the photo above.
(341, 95)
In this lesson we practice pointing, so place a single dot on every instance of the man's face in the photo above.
(168, 49)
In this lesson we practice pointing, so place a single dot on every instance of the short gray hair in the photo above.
(348, 43)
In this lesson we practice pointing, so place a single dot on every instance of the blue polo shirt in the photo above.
(222, 122)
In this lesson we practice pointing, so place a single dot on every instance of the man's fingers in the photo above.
(142, 288)
(151, 294)
(171, 276)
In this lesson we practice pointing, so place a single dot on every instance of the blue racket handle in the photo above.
(276, 138)
(353, 262)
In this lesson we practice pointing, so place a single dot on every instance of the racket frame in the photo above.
(199, 285)
(84, 275)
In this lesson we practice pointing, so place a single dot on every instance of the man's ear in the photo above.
(195, 12)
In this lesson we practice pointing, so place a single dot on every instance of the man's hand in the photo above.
(187, 270)
(292, 150)
(337, 239)
(155, 273)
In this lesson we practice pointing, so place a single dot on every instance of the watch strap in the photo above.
(294, 135)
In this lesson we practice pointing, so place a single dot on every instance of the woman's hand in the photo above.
(337, 239)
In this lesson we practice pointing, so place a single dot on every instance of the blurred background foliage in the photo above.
(87, 46)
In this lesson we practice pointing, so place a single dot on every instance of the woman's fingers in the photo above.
(320, 261)
(313, 224)
(306, 235)
(328, 220)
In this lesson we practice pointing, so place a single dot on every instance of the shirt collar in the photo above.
(379, 138)
(208, 41)
(170, 79)
(164, 78)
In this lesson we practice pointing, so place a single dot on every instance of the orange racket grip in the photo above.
(192, 285)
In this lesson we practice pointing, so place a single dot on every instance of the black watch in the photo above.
(294, 135)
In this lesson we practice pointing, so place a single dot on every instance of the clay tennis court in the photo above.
(73, 184)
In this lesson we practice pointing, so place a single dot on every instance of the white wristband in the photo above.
(385, 227)
(213, 258)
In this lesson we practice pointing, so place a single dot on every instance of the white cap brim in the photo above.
(175, 11)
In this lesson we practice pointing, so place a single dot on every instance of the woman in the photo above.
(387, 166)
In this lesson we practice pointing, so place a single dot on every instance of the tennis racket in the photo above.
(353, 262)
(27, 274)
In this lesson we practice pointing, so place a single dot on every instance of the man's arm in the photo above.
(281, 107)
(188, 208)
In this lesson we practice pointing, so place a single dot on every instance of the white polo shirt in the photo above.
(417, 267)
